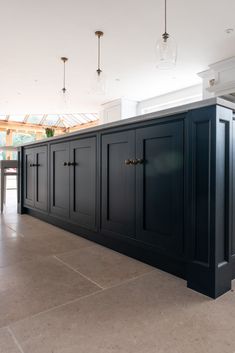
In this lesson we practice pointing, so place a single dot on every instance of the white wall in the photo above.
(223, 75)
(172, 99)
(117, 109)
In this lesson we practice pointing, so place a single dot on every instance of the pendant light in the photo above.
(166, 48)
(64, 74)
(100, 84)
(64, 92)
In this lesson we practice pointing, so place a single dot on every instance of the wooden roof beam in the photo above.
(43, 119)
(5, 125)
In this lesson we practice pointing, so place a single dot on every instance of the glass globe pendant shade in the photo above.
(64, 101)
(166, 52)
(99, 84)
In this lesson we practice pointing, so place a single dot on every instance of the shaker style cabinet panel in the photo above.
(35, 182)
(73, 181)
(83, 182)
(29, 177)
(159, 186)
(41, 178)
(118, 183)
(59, 183)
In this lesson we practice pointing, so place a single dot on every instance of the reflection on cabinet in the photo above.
(73, 181)
(35, 181)
(159, 186)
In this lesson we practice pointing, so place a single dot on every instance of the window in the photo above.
(20, 138)
(2, 143)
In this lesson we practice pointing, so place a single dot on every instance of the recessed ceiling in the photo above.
(35, 34)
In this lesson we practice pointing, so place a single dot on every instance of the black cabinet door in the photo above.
(159, 186)
(83, 174)
(41, 186)
(118, 183)
(29, 177)
(59, 182)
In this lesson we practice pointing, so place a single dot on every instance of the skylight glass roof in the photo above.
(51, 120)
(17, 118)
(34, 119)
(55, 120)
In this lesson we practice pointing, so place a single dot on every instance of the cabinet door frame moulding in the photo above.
(84, 143)
(54, 210)
(69, 143)
(163, 242)
(42, 206)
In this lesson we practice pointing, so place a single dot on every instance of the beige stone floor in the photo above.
(60, 293)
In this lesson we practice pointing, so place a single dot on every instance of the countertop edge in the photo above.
(145, 117)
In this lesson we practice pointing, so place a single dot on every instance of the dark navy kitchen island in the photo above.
(159, 188)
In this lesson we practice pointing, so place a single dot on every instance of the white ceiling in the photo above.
(35, 34)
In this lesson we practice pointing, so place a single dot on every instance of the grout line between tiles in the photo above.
(80, 248)
(131, 279)
(54, 308)
(73, 269)
(83, 297)
(15, 339)
(14, 230)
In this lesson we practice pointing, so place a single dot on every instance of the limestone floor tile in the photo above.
(155, 313)
(33, 226)
(51, 243)
(7, 344)
(15, 248)
(13, 217)
(104, 266)
(6, 232)
(12, 252)
(34, 286)
(62, 240)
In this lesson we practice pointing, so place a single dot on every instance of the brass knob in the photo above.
(128, 162)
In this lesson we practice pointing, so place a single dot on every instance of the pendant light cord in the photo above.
(165, 17)
(64, 89)
(99, 34)
(99, 70)
(64, 59)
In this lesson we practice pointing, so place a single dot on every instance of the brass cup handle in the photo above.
(128, 162)
(134, 161)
